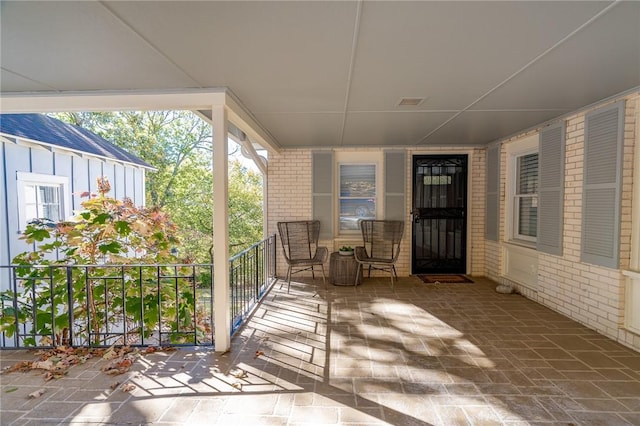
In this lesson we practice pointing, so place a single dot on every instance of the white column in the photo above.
(221, 292)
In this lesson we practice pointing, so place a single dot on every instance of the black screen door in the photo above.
(439, 214)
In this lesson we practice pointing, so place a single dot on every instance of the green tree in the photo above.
(178, 145)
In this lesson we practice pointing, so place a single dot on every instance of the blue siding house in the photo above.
(45, 166)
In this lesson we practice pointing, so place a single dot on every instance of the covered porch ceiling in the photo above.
(333, 73)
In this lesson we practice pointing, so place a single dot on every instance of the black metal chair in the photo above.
(300, 247)
(381, 248)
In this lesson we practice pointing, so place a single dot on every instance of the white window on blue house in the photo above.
(358, 194)
(42, 197)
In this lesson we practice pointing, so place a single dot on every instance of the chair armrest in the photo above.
(321, 254)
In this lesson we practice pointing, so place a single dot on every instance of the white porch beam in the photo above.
(111, 101)
(134, 100)
(221, 287)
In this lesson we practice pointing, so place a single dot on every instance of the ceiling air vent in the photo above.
(410, 101)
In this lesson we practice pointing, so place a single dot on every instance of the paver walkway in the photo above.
(418, 354)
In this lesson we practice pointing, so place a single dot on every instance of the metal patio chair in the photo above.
(300, 247)
(381, 248)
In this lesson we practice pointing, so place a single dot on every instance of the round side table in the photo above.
(343, 269)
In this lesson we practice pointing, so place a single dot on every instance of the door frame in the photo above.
(470, 207)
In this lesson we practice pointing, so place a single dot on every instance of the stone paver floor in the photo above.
(417, 354)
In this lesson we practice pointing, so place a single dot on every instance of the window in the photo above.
(357, 183)
(42, 202)
(526, 198)
(42, 197)
(522, 190)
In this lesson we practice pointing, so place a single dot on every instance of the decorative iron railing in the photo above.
(251, 273)
(139, 305)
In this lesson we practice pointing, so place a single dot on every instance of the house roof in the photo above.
(51, 131)
(333, 73)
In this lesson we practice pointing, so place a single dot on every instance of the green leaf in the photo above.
(62, 321)
(101, 218)
(112, 247)
(123, 227)
(43, 318)
(39, 235)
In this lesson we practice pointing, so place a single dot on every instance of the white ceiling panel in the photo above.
(277, 56)
(20, 83)
(600, 60)
(479, 127)
(80, 46)
(330, 73)
(303, 129)
(452, 52)
(381, 129)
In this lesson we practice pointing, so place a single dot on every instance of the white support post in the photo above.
(221, 288)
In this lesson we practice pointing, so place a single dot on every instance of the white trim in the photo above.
(25, 178)
(632, 281)
(514, 150)
(635, 209)
(360, 158)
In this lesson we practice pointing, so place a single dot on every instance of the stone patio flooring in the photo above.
(418, 354)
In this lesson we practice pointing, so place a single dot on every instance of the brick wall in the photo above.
(589, 294)
(289, 193)
(289, 198)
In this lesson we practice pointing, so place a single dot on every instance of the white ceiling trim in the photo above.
(352, 60)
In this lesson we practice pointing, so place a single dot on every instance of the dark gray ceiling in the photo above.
(332, 73)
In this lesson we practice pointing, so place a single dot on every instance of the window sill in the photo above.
(523, 244)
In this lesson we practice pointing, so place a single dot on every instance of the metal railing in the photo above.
(139, 305)
(251, 273)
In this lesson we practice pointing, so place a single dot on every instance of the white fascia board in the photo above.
(244, 120)
(111, 101)
(142, 101)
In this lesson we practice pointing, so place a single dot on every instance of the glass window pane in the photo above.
(357, 180)
(51, 212)
(354, 209)
(48, 194)
(30, 212)
(528, 174)
(30, 194)
(527, 216)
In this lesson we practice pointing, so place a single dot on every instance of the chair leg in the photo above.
(369, 271)
(313, 274)
(324, 280)
(289, 279)
(359, 268)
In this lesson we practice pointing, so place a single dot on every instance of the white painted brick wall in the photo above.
(587, 293)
